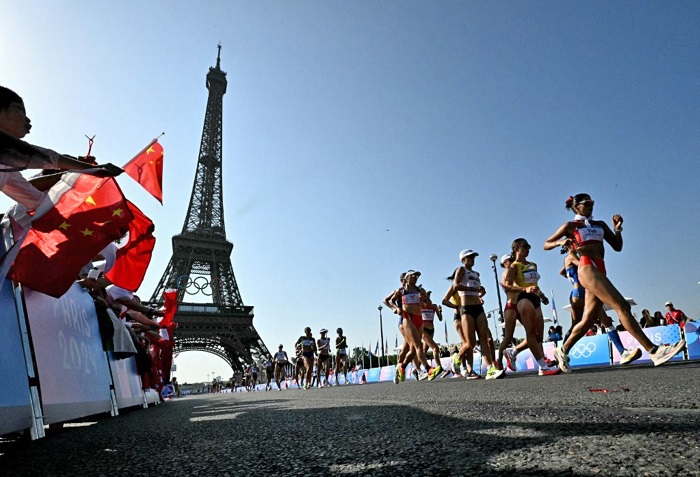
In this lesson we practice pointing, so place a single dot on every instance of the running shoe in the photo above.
(445, 373)
(563, 359)
(552, 363)
(433, 373)
(396, 375)
(666, 352)
(422, 376)
(511, 359)
(402, 373)
(455, 369)
(547, 371)
(415, 374)
(471, 375)
(455, 359)
(494, 373)
(630, 355)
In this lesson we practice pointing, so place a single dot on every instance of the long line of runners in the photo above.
(581, 240)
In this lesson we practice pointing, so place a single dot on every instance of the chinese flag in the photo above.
(133, 259)
(170, 303)
(147, 169)
(89, 212)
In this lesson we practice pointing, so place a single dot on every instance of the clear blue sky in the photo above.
(363, 139)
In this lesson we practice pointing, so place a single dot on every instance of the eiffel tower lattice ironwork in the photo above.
(216, 321)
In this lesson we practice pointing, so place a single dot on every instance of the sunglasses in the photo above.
(586, 202)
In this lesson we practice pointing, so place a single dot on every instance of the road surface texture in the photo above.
(647, 424)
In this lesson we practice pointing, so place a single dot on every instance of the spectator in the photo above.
(15, 123)
(647, 320)
(659, 319)
(675, 316)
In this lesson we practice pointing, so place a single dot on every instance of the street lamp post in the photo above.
(381, 328)
(493, 258)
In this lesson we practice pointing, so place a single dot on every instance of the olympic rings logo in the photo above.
(582, 350)
(199, 285)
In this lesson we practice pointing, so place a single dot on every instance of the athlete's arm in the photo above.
(456, 283)
(614, 238)
(446, 299)
(555, 240)
(389, 302)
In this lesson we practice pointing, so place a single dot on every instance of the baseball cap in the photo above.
(466, 253)
(413, 272)
(505, 258)
(402, 276)
(323, 330)
(668, 303)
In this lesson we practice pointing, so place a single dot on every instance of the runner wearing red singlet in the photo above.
(587, 237)
(412, 321)
(522, 278)
(468, 283)
(428, 311)
(393, 302)
(510, 319)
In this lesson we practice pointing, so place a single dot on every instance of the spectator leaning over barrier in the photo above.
(125, 298)
(15, 123)
(674, 316)
(647, 320)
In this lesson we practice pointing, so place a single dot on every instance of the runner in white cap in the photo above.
(587, 236)
(468, 283)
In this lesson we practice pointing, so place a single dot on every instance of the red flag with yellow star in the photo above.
(147, 169)
(133, 258)
(89, 212)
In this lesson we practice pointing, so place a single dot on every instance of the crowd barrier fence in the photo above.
(52, 364)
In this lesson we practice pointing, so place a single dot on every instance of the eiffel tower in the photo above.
(211, 316)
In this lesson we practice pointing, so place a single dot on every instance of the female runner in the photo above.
(308, 352)
(324, 354)
(577, 299)
(411, 322)
(510, 319)
(468, 284)
(587, 236)
(428, 311)
(522, 278)
(281, 361)
(341, 356)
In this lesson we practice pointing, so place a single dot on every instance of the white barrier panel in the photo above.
(152, 396)
(72, 366)
(127, 382)
(15, 402)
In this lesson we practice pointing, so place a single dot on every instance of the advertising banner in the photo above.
(72, 367)
(373, 375)
(692, 339)
(15, 404)
(657, 334)
(590, 351)
(127, 382)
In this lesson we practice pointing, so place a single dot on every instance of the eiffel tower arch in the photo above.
(211, 315)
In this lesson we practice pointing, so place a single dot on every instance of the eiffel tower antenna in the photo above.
(211, 316)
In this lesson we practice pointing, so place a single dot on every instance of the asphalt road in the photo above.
(521, 425)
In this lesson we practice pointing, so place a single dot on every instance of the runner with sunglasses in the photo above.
(522, 278)
(587, 237)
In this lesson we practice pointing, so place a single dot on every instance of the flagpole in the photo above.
(146, 148)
